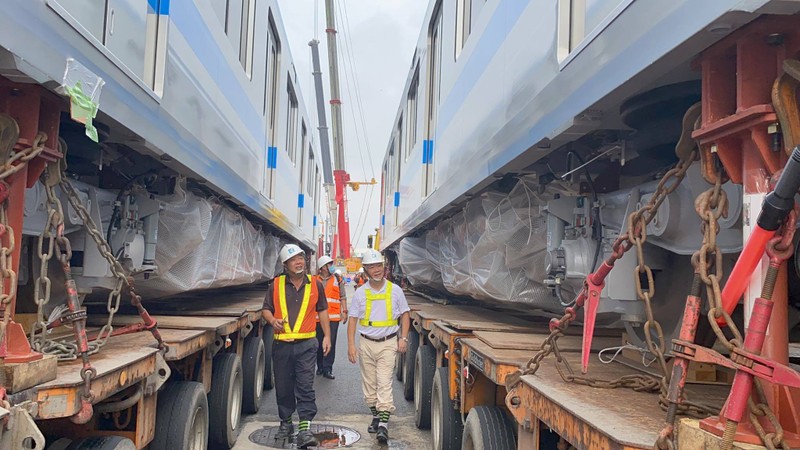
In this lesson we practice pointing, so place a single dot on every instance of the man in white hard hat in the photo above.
(337, 312)
(380, 313)
(291, 306)
(360, 278)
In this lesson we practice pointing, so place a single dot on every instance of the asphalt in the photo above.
(340, 402)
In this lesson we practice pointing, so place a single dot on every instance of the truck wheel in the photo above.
(423, 382)
(61, 444)
(398, 366)
(181, 417)
(253, 363)
(269, 338)
(225, 400)
(488, 428)
(103, 443)
(446, 425)
(409, 362)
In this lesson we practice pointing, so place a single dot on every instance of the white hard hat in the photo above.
(288, 251)
(338, 272)
(323, 260)
(372, 256)
(360, 270)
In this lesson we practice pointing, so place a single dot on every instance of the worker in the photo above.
(361, 278)
(337, 313)
(379, 311)
(289, 308)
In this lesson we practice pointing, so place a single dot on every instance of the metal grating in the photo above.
(328, 436)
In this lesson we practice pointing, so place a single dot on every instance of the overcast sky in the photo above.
(376, 40)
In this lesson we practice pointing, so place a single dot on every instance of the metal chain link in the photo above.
(8, 277)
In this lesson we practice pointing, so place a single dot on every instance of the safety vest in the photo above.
(360, 280)
(305, 325)
(387, 297)
(333, 294)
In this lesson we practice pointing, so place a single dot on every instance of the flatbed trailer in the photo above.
(215, 342)
(463, 358)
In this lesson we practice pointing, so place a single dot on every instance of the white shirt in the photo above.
(358, 308)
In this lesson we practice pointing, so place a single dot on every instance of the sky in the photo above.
(376, 40)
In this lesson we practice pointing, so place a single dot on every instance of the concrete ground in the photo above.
(341, 402)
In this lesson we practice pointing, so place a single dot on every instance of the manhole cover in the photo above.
(328, 436)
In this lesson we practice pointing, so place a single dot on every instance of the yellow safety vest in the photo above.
(303, 327)
(387, 297)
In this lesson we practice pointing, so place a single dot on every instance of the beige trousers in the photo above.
(377, 371)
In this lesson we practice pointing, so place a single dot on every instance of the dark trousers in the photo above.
(325, 362)
(293, 366)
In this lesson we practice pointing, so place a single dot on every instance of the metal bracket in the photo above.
(160, 376)
(215, 347)
(245, 331)
(20, 431)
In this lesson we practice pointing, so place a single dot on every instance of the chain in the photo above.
(8, 277)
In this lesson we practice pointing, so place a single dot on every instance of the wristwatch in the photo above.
(404, 338)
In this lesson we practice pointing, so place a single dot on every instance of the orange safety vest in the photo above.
(332, 293)
(361, 279)
(305, 326)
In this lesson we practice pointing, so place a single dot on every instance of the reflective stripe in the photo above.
(387, 297)
(288, 333)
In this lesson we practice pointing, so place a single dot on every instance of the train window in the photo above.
(571, 26)
(233, 23)
(248, 36)
(220, 7)
(271, 88)
(303, 141)
(400, 140)
(311, 167)
(291, 123)
(411, 108)
(463, 23)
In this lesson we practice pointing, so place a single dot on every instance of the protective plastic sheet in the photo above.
(493, 249)
(203, 244)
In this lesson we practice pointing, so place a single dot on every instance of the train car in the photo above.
(200, 128)
(529, 131)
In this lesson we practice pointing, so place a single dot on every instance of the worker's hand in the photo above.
(277, 325)
(402, 346)
(326, 345)
(343, 319)
(352, 353)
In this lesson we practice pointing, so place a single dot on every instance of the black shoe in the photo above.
(373, 426)
(284, 431)
(319, 371)
(383, 435)
(305, 439)
(328, 374)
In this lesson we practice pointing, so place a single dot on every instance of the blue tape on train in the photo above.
(300, 200)
(396, 199)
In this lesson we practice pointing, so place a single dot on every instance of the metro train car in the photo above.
(203, 160)
(529, 131)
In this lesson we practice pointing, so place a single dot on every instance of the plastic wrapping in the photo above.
(203, 244)
(493, 249)
(83, 88)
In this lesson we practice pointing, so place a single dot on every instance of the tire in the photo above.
(181, 417)
(103, 443)
(408, 365)
(423, 383)
(60, 444)
(253, 365)
(398, 366)
(269, 337)
(225, 401)
(488, 428)
(446, 425)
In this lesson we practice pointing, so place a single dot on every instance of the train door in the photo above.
(434, 76)
(271, 109)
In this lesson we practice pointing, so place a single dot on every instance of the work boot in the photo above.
(319, 371)
(328, 374)
(305, 439)
(373, 427)
(284, 431)
(383, 435)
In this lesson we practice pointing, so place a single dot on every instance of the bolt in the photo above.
(515, 401)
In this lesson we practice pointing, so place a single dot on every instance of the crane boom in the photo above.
(340, 175)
